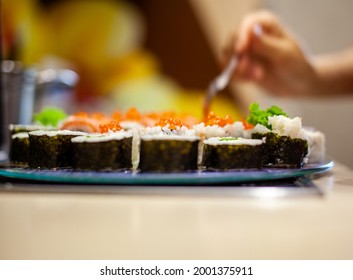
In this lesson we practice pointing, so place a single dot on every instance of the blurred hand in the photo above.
(271, 57)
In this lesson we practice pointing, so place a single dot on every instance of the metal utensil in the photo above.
(219, 83)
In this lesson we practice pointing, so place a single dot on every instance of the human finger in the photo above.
(249, 68)
(271, 48)
(268, 23)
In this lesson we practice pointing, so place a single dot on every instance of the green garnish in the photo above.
(50, 116)
(227, 139)
(258, 116)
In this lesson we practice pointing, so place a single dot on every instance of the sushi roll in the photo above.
(19, 148)
(215, 126)
(168, 153)
(225, 153)
(51, 149)
(169, 146)
(283, 151)
(108, 151)
(285, 144)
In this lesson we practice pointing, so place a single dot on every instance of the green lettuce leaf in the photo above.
(258, 116)
(50, 116)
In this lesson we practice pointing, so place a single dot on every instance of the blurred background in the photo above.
(103, 55)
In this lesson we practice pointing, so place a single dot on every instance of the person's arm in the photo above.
(334, 73)
(274, 59)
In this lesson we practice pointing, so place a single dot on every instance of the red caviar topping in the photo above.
(153, 116)
(117, 116)
(173, 123)
(247, 125)
(212, 119)
(98, 116)
(168, 115)
(110, 126)
(133, 115)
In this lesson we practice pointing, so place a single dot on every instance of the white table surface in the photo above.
(41, 225)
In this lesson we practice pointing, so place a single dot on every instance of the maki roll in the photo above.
(51, 149)
(169, 146)
(19, 148)
(108, 151)
(283, 151)
(285, 144)
(215, 126)
(168, 153)
(224, 153)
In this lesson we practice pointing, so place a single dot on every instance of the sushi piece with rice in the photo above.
(51, 149)
(168, 147)
(215, 126)
(285, 143)
(46, 120)
(105, 152)
(168, 153)
(227, 153)
(19, 148)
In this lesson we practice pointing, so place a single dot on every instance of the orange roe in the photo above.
(117, 116)
(133, 115)
(173, 123)
(152, 115)
(168, 115)
(112, 126)
(247, 125)
(212, 119)
(98, 116)
(81, 114)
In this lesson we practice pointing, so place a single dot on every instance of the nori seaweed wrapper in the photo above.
(283, 151)
(227, 157)
(103, 155)
(19, 150)
(50, 151)
(168, 155)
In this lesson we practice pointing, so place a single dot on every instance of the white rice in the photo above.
(167, 137)
(230, 130)
(285, 126)
(162, 131)
(259, 128)
(216, 141)
(30, 127)
(105, 137)
(52, 133)
(127, 125)
(20, 135)
(316, 146)
(135, 153)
